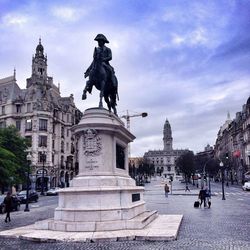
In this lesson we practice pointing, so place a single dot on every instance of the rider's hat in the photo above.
(101, 37)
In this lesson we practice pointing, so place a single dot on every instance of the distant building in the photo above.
(44, 118)
(207, 153)
(233, 141)
(164, 160)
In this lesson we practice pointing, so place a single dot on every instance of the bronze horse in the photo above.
(101, 79)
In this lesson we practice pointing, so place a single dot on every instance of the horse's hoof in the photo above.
(84, 96)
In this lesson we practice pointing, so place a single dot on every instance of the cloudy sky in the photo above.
(185, 61)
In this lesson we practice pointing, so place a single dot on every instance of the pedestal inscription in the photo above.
(92, 163)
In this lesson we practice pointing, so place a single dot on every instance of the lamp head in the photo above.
(29, 157)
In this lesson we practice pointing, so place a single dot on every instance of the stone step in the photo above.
(141, 220)
(138, 222)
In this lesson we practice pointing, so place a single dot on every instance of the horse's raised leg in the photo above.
(84, 95)
(87, 88)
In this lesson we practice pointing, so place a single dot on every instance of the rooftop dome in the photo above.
(39, 47)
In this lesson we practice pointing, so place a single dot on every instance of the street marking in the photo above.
(240, 199)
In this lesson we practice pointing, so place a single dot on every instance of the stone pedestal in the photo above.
(103, 196)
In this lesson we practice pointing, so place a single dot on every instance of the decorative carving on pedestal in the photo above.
(92, 144)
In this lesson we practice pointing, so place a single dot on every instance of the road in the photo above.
(225, 225)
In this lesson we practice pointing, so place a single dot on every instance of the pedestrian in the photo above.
(166, 190)
(202, 197)
(208, 197)
(187, 188)
(8, 206)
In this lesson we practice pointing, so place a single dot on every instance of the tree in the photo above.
(185, 164)
(7, 166)
(12, 156)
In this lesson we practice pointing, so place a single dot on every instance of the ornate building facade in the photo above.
(233, 141)
(164, 160)
(44, 118)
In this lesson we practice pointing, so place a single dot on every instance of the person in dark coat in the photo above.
(8, 206)
(202, 197)
(166, 188)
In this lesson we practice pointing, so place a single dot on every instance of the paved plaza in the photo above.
(225, 226)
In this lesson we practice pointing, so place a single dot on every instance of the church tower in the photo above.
(167, 137)
(39, 67)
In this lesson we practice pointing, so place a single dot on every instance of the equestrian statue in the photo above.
(102, 75)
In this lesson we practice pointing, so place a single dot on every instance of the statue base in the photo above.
(103, 197)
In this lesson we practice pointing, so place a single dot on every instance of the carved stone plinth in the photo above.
(103, 196)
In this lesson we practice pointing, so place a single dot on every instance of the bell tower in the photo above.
(39, 67)
(167, 137)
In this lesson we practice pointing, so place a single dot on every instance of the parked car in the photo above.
(246, 186)
(52, 191)
(15, 203)
(33, 196)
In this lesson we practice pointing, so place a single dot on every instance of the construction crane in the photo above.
(127, 117)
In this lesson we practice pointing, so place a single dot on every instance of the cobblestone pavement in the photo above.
(224, 226)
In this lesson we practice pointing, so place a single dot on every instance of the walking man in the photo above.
(202, 197)
(8, 206)
(166, 190)
(208, 197)
(187, 188)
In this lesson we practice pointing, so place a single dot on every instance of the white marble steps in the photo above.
(138, 222)
(163, 228)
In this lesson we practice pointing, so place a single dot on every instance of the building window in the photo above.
(53, 158)
(62, 161)
(55, 113)
(42, 141)
(67, 132)
(18, 108)
(67, 146)
(41, 70)
(2, 124)
(28, 140)
(53, 144)
(42, 157)
(28, 107)
(68, 118)
(3, 110)
(169, 169)
(62, 146)
(28, 125)
(18, 125)
(43, 124)
(62, 132)
(72, 148)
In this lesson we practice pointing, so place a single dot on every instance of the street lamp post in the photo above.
(43, 160)
(222, 180)
(27, 184)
